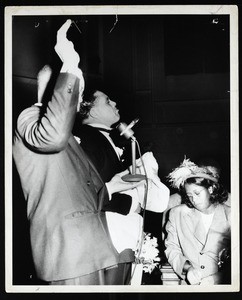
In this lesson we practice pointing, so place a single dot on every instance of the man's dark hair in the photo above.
(87, 103)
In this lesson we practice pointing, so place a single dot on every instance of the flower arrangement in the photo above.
(148, 254)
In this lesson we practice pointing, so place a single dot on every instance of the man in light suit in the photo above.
(65, 194)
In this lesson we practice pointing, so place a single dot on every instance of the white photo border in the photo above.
(232, 11)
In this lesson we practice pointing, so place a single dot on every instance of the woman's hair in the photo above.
(218, 195)
(87, 103)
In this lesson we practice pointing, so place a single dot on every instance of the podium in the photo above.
(168, 276)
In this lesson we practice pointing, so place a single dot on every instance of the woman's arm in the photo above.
(173, 250)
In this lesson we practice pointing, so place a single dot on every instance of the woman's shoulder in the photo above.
(226, 207)
(226, 210)
(182, 208)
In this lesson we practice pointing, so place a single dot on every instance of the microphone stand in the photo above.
(133, 177)
(128, 133)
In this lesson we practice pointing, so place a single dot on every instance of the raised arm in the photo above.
(49, 130)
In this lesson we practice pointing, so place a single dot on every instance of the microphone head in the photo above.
(136, 120)
(125, 130)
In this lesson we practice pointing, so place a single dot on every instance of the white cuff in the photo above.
(72, 69)
(109, 194)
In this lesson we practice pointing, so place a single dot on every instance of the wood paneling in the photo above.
(192, 111)
(144, 67)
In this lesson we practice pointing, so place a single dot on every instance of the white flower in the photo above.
(149, 253)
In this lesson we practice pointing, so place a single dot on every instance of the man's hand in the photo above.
(70, 58)
(117, 184)
(65, 48)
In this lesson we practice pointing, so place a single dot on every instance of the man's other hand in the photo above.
(117, 184)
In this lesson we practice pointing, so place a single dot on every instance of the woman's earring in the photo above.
(210, 190)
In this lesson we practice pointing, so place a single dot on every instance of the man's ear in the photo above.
(92, 113)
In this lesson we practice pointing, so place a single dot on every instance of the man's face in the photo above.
(104, 110)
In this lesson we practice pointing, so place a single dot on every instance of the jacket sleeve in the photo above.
(173, 250)
(49, 130)
(120, 203)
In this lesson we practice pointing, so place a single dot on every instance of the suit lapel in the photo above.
(219, 224)
(87, 162)
(112, 153)
(195, 225)
(79, 152)
(219, 219)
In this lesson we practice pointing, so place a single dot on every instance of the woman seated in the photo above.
(198, 231)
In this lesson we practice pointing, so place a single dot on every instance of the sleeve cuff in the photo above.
(109, 194)
(73, 70)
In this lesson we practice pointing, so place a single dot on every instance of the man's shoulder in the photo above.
(86, 131)
(91, 138)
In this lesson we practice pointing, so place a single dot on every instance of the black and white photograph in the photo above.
(122, 147)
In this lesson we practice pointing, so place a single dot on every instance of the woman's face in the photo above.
(199, 197)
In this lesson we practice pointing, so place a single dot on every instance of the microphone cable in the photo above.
(144, 210)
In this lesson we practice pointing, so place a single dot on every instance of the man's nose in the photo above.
(113, 103)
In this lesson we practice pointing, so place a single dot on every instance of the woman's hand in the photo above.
(194, 276)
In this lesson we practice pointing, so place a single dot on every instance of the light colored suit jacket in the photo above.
(187, 240)
(64, 192)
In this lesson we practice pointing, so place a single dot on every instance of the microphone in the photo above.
(125, 129)
(127, 132)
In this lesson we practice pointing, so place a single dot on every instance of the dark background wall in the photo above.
(170, 71)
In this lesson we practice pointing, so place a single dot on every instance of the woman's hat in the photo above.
(189, 169)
